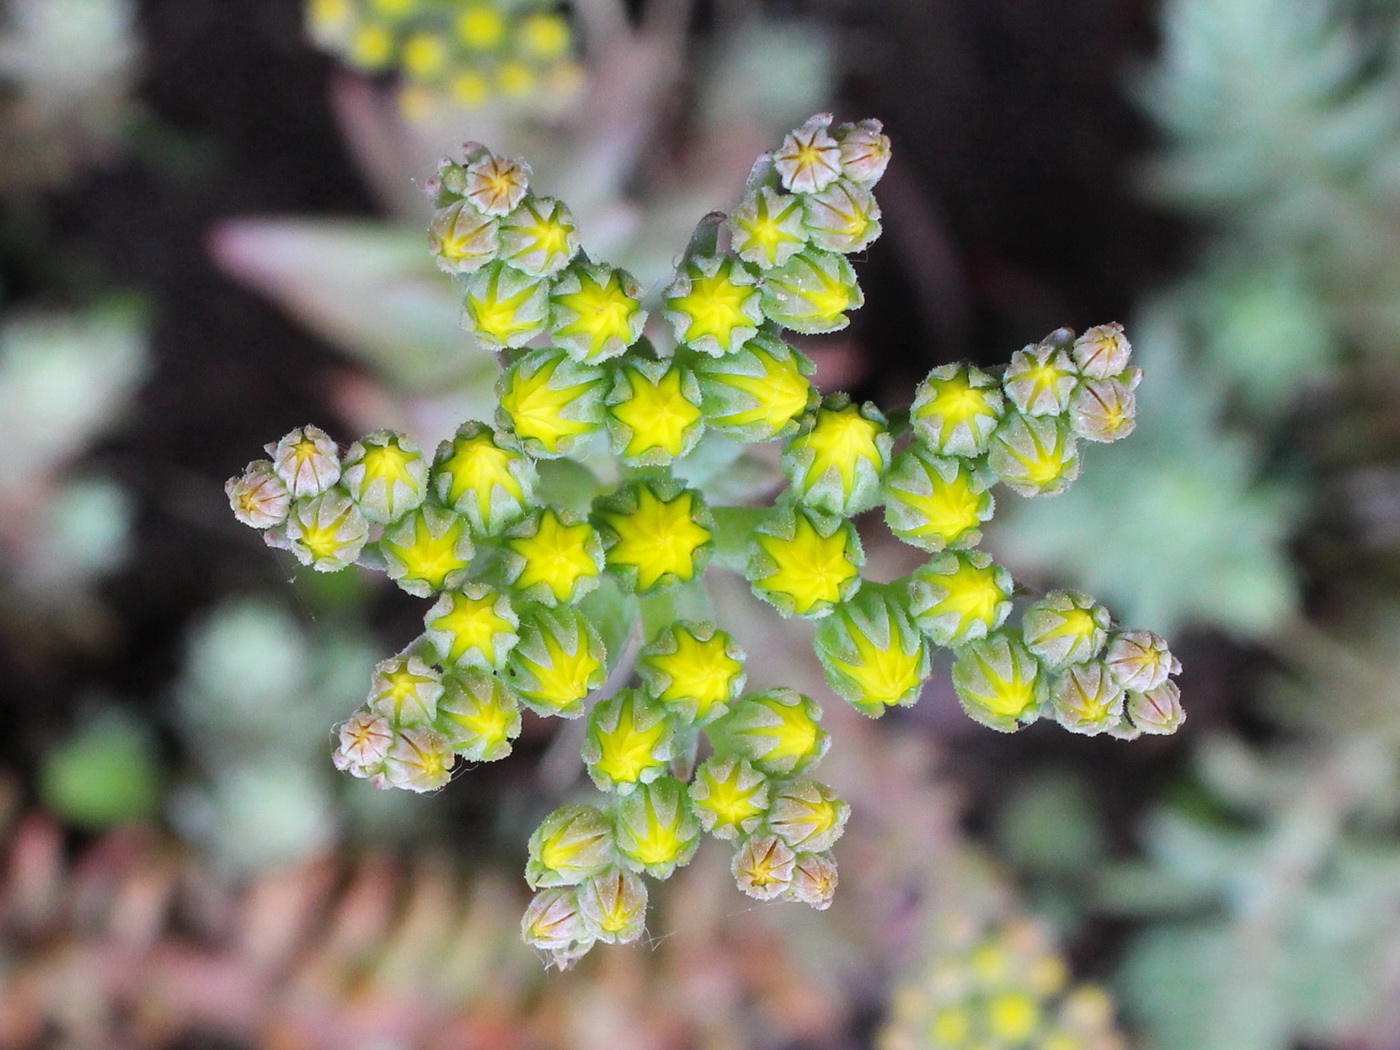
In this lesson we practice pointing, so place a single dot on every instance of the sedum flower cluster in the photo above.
(634, 400)
(463, 52)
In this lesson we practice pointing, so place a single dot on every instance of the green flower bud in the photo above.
(1034, 455)
(307, 461)
(572, 844)
(656, 831)
(777, 731)
(1040, 380)
(597, 312)
(1140, 660)
(472, 627)
(872, 654)
(865, 151)
(557, 663)
(405, 690)
(932, 503)
(1102, 351)
(694, 669)
(1086, 699)
(1157, 710)
(1103, 410)
(478, 715)
(654, 411)
(813, 880)
(844, 217)
(327, 532)
(656, 533)
(258, 497)
(807, 815)
(837, 458)
(365, 739)
(729, 796)
(553, 922)
(762, 867)
(999, 682)
(550, 402)
(959, 596)
(804, 562)
(809, 160)
(539, 237)
(755, 394)
(495, 185)
(504, 307)
(628, 742)
(418, 760)
(462, 239)
(1065, 627)
(386, 475)
(766, 228)
(615, 906)
(480, 475)
(429, 550)
(552, 557)
(713, 305)
(956, 409)
(811, 292)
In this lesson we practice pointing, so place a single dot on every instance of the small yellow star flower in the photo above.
(557, 662)
(552, 558)
(478, 715)
(654, 535)
(1039, 380)
(1065, 627)
(998, 681)
(836, 461)
(386, 475)
(959, 596)
(479, 475)
(540, 236)
(504, 306)
(571, 844)
(811, 292)
(473, 627)
(694, 670)
(405, 690)
(777, 731)
(871, 652)
(758, 392)
(809, 159)
(615, 906)
(935, 503)
(766, 228)
(656, 831)
(713, 305)
(628, 742)
(730, 797)
(550, 402)
(806, 563)
(597, 312)
(1034, 455)
(956, 409)
(654, 411)
(430, 550)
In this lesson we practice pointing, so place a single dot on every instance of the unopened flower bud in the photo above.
(418, 760)
(813, 880)
(656, 534)
(999, 682)
(844, 217)
(503, 306)
(386, 475)
(615, 906)
(327, 532)
(1034, 455)
(430, 550)
(1102, 351)
(763, 866)
(472, 627)
(729, 796)
(478, 715)
(495, 185)
(550, 402)
(956, 409)
(480, 474)
(572, 844)
(365, 739)
(1140, 660)
(597, 311)
(959, 596)
(932, 502)
(811, 292)
(766, 228)
(307, 461)
(557, 662)
(809, 160)
(1086, 699)
(695, 670)
(804, 562)
(837, 458)
(405, 690)
(654, 411)
(258, 497)
(1065, 627)
(539, 237)
(865, 151)
(757, 393)
(554, 923)
(871, 652)
(777, 731)
(552, 557)
(807, 815)
(656, 830)
(462, 239)
(1103, 410)
(1157, 710)
(713, 305)
(1040, 380)
(627, 742)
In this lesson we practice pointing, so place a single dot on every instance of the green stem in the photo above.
(734, 528)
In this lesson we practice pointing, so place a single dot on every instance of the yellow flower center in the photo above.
(398, 688)
(701, 672)
(765, 232)
(730, 801)
(714, 306)
(949, 509)
(539, 224)
(796, 735)
(473, 623)
(557, 556)
(497, 317)
(1009, 696)
(481, 27)
(372, 47)
(425, 56)
(970, 592)
(658, 841)
(779, 394)
(956, 401)
(536, 409)
(563, 677)
(605, 312)
(544, 36)
(839, 441)
(885, 674)
(432, 558)
(488, 720)
(657, 538)
(628, 751)
(479, 466)
(809, 568)
(658, 414)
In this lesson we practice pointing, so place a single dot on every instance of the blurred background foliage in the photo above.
(211, 231)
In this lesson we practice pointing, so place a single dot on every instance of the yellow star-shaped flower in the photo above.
(604, 315)
(885, 674)
(699, 673)
(471, 471)
(717, 309)
(560, 667)
(470, 627)
(559, 556)
(657, 415)
(631, 748)
(656, 539)
(839, 441)
(535, 407)
(811, 571)
(426, 553)
(774, 398)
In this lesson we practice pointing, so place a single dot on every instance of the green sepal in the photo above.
(871, 651)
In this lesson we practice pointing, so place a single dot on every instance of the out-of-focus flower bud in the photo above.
(550, 402)
(999, 682)
(258, 497)
(597, 312)
(837, 458)
(615, 906)
(656, 830)
(865, 151)
(307, 461)
(552, 557)
(543, 36)
(813, 880)
(756, 393)
(627, 742)
(365, 739)
(405, 690)
(871, 652)
(777, 731)
(804, 562)
(386, 475)
(472, 627)
(1034, 455)
(844, 217)
(572, 844)
(656, 534)
(462, 239)
(694, 669)
(554, 923)
(1040, 380)
(762, 867)
(371, 47)
(809, 160)
(1086, 699)
(327, 532)
(1065, 627)
(1103, 410)
(481, 26)
(495, 185)
(766, 228)
(654, 411)
(557, 662)
(1157, 710)
(478, 715)
(1102, 351)
(729, 796)
(503, 306)
(539, 237)
(932, 502)
(428, 551)
(418, 760)
(1140, 660)
(956, 409)
(480, 475)
(959, 596)
(713, 305)
(807, 815)
(811, 292)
